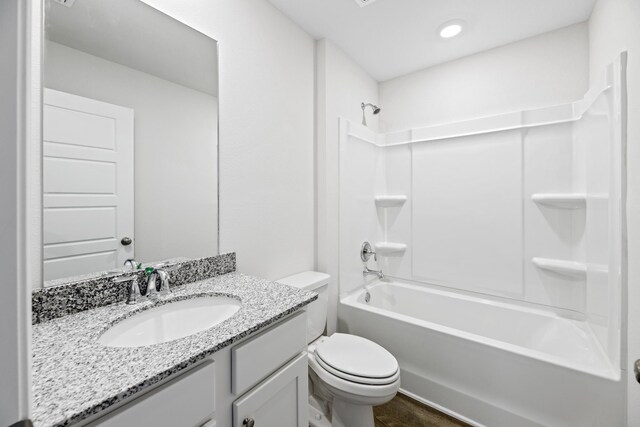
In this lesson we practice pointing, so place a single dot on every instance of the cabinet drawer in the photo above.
(186, 401)
(258, 358)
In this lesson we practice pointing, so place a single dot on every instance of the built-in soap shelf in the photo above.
(389, 248)
(561, 200)
(391, 200)
(572, 269)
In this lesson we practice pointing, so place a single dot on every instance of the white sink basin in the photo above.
(170, 321)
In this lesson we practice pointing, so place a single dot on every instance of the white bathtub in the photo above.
(490, 363)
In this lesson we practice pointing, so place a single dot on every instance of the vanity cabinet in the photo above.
(262, 381)
(273, 367)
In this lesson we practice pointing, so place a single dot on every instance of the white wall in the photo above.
(341, 86)
(548, 69)
(16, 93)
(266, 132)
(175, 150)
(613, 28)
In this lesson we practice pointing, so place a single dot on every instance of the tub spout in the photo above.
(368, 271)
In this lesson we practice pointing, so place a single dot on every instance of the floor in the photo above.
(404, 411)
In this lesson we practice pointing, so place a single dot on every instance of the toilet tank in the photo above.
(317, 310)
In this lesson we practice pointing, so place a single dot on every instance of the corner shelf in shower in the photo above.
(389, 248)
(561, 200)
(388, 201)
(573, 269)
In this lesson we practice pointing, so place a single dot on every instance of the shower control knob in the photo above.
(366, 251)
(249, 422)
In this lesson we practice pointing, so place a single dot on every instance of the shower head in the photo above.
(376, 110)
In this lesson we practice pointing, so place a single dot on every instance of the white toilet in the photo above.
(349, 374)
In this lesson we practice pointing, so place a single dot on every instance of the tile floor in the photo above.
(404, 411)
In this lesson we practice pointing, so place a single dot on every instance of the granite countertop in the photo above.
(74, 376)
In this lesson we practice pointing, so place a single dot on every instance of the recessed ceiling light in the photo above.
(450, 29)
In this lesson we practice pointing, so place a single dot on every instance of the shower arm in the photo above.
(364, 119)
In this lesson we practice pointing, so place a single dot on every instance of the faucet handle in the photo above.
(366, 251)
(163, 275)
(133, 290)
(151, 290)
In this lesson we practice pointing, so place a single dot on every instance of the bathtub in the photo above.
(489, 363)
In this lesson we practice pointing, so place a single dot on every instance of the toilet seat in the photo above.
(356, 359)
(356, 379)
(362, 393)
(356, 356)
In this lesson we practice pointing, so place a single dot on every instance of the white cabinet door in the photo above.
(87, 184)
(279, 401)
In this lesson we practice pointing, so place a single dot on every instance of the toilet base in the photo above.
(343, 415)
(317, 418)
(349, 415)
(327, 411)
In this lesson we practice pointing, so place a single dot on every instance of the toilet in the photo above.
(348, 374)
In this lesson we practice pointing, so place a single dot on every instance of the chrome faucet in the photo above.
(368, 271)
(365, 253)
(152, 290)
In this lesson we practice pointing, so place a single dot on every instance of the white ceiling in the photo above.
(133, 34)
(389, 38)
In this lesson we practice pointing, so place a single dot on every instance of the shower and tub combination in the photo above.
(501, 242)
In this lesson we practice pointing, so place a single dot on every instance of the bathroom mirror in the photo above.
(130, 138)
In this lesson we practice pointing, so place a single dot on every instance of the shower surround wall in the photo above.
(522, 207)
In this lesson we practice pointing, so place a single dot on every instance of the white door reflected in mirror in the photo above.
(88, 184)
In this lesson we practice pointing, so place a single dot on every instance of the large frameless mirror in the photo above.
(130, 139)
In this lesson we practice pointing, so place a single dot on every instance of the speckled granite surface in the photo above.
(98, 291)
(74, 376)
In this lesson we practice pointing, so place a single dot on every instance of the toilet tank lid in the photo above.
(309, 280)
